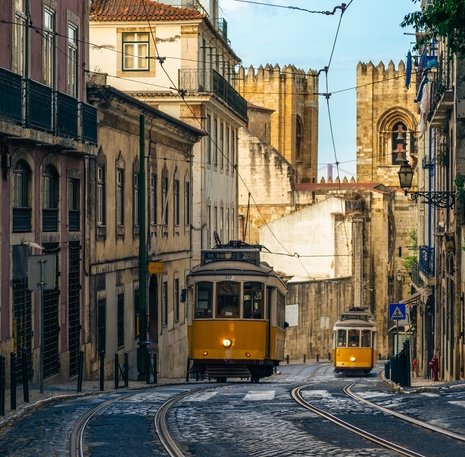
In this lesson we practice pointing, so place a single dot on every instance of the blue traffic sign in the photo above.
(397, 311)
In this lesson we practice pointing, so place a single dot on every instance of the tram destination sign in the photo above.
(236, 255)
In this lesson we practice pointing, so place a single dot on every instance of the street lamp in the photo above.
(438, 199)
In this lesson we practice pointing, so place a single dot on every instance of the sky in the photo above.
(369, 31)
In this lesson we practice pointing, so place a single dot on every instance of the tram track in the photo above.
(76, 443)
(76, 440)
(425, 425)
(161, 426)
(387, 444)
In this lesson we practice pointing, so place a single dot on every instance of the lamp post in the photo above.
(438, 199)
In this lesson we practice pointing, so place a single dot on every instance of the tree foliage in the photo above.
(440, 19)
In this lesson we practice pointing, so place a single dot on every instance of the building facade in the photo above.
(387, 134)
(122, 316)
(438, 80)
(47, 133)
(179, 60)
(292, 96)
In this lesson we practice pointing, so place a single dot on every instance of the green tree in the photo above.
(443, 19)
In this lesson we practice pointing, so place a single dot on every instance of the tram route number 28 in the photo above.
(228, 278)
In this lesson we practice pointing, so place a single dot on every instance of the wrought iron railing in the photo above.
(200, 81)
(74, 216)
(21, 220)
(36, 106)
(50, 219)
(66, 115)
(39, 106)
(10, 101)
(426, 260)
(88, 118)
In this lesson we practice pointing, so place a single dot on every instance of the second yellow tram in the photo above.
(354, 342)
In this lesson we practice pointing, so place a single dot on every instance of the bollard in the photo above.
(24, 375)
(80, 370)
(155, 374)
(13, 380)
(2, 385)
(318, 357)
(116, 371)
(102, 369)
(287, 359)
(329, 356)
(126, 370)
(187, 369)
(305, 357)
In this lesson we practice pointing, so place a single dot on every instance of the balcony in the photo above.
(21, 220)
(74, 217)
(426, 260)
(49, 219)
(195, 81)
(442, 94)
(31, 105)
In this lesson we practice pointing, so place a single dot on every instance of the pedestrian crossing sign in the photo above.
(397, 311)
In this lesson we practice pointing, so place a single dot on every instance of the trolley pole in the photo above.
(142, 349)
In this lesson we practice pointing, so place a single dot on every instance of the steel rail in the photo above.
(297, 396)
(348, 391)
(161, 426)
(76, 440)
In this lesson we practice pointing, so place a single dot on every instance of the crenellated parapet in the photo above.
(290, 94)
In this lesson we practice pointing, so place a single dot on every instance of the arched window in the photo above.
(50, 199)
(21, 197)
(399, 142)
(396, 136)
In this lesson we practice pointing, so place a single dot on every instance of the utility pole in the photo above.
(143, 351)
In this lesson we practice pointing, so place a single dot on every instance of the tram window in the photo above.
(354, 338)
(366, 338)
(227, 298)
(253, 300)
(341, 337)
(203, 304)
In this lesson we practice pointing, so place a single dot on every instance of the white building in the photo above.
(179, 59)
(314, 242)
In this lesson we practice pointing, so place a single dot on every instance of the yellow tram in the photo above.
(236, 314)
(354, 342)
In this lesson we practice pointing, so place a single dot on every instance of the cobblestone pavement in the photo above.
(60, 391)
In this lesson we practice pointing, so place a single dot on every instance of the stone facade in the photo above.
(291, 95)
(319, 304)
(387, 133)
(115, 184)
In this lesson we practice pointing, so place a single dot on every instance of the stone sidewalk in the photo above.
(56, 392)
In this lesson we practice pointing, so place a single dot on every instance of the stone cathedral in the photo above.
(291, 95)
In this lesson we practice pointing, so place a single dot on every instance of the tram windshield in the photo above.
(354, 338)
(253, 300)
(227, 298)
(366, 340)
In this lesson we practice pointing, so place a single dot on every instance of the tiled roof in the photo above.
(139, 10)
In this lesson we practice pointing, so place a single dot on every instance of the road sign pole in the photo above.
(397, 337)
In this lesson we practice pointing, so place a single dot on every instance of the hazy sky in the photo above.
(369, 31)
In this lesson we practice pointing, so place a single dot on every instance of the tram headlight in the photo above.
(227, 343)
(205, 353)
(352, 359)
